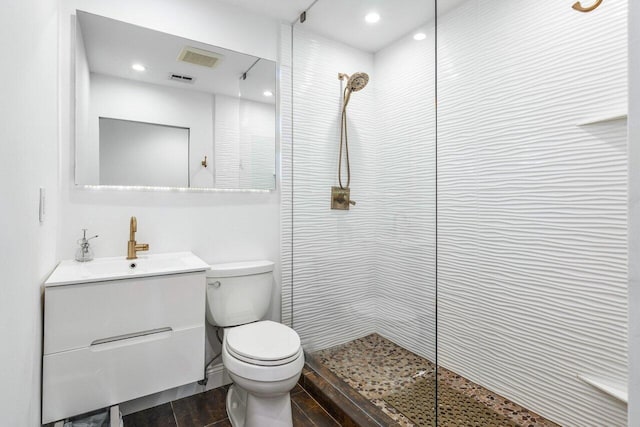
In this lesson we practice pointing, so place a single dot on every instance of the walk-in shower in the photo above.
(481, 279)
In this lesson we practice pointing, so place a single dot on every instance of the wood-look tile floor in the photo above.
(208, 410)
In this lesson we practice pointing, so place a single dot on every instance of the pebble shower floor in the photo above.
(402, 384)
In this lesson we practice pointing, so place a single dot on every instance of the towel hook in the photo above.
(578, 6)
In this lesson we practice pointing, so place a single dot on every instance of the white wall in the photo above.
(125, 99)
(219, 227)
(634, 214)
(137, 153)
(28, 160)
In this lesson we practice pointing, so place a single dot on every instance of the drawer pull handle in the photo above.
(132, 335)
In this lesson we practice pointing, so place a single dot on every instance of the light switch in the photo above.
(41, 210)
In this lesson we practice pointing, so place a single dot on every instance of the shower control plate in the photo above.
(340, 198)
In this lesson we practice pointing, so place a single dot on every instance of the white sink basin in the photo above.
(113, 268)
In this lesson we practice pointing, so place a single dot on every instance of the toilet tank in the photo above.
(239, 293)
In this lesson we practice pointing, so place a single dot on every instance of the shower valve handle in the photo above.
(352, 202)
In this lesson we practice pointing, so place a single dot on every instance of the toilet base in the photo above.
(246, 410)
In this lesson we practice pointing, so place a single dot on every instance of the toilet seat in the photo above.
(259, 373)
(259, 362)
(263, 343)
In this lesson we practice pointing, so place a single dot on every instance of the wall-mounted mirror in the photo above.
(157, 110)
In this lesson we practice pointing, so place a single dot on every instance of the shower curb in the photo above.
(340, 400)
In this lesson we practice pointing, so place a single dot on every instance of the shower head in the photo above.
(357, 82)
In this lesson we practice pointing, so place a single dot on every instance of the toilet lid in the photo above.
(264, 341)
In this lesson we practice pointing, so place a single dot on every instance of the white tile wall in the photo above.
(532, 216)
(404, 260)
(333, 295)
(634, 214)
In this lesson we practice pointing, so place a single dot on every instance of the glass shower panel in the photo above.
(531, 212)
(359, 284)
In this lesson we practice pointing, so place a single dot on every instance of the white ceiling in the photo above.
(113, 46)
(281, 10)
(343, 20)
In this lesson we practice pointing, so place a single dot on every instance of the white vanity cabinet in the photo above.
(106, 342)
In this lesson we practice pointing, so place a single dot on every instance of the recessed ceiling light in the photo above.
(419, 36)
(138, 67)
(372, 17)
(267, 93)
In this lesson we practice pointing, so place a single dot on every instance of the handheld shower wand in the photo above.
(340, 196)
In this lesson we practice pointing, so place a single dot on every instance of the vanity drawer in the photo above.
(81, 314)
(78, 381)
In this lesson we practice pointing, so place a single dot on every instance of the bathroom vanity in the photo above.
(118, 329)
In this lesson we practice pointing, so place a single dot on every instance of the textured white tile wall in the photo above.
(334, 282)
(634, 214)
(531, 207)
(372, 268)
(226, 136)
(285, 103)
(257, 145)
(244, 135)
(404, 261)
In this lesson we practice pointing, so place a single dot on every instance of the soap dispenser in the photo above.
(84, 252)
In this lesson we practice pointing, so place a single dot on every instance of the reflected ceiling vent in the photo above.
(181, 78)
(201, 57)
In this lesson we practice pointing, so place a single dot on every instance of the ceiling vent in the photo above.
(201, 57)
(181, 78)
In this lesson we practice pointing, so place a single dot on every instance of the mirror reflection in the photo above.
(154, 109)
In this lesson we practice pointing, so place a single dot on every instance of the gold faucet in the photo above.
(132, 246)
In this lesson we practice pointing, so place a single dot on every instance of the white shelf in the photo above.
(616, 390)
(604, 118)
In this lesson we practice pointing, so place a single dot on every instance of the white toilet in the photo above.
(263, 358)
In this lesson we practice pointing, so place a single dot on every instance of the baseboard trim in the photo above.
(216, 374)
